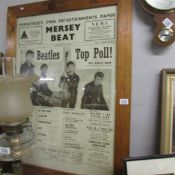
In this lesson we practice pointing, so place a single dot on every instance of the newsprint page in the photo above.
(74, 54)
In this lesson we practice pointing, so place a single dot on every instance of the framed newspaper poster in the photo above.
(82, 52)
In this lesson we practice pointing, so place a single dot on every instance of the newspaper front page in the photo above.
(74, 54)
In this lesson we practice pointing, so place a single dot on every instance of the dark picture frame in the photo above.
(123, 65)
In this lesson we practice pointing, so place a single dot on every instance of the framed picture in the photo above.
(152, 165)
(1, 55)
(168, 111)
(82, 101)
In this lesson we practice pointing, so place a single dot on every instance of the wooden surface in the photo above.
(123, 66)
(123, 80)
(159, 18)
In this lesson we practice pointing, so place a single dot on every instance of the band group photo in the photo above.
(85, 89)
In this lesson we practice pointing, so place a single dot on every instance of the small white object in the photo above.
(167, 22)
(124, 101)
(46, 79)
(5, 150)
(22, 8)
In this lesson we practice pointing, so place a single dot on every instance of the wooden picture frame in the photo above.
(154, 165)
(123, 65)
(167, 126)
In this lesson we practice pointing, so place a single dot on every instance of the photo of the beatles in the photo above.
(82, 89)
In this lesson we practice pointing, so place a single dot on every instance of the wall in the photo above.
(148, 61)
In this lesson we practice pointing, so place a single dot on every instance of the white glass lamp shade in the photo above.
(15, 101)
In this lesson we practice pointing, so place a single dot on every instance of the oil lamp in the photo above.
(17, 136)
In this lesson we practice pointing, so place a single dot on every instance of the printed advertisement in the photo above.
(74, 54)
